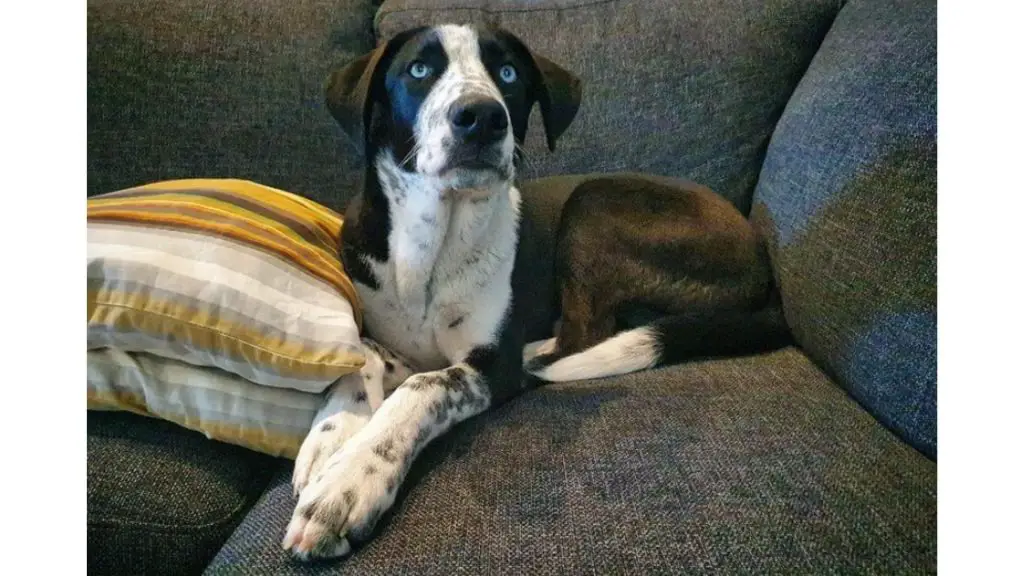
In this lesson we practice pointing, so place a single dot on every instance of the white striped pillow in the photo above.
(223, 273)
(219, 404)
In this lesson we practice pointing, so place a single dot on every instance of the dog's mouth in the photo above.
(489, 160)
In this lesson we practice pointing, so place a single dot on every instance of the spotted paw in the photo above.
(392, 369)
(357, 485)
(539, 348)
(323, 441)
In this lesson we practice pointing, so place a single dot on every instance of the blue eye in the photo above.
(419, 70)
(508, 74)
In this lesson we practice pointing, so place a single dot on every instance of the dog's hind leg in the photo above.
(669, 340)
(542, 347)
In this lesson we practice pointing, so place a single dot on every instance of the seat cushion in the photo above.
(848, 200)
(671, 87)
(161, 499)
(757, 465)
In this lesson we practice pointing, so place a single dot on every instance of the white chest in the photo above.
(446, 286)
(451, 324)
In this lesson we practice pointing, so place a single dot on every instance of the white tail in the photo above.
(623, 353)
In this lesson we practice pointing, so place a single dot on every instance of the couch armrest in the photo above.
(847, 198)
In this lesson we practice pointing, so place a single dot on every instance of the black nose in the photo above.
(479, 120)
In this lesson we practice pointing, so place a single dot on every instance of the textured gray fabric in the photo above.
(848, 198)
(673, 87)
(161, 499)
(202, 88)
(755, 465)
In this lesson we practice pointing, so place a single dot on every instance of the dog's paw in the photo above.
(343, 504)
(323, 441)
(385, 364)
(539, 348)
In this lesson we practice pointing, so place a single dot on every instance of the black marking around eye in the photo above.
(406, 94)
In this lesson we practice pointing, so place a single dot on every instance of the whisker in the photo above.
(410, 155)
(523, 158)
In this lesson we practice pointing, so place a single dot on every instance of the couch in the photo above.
(817, 118)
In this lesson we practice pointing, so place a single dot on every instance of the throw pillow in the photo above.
(223, 273)
(219, 404)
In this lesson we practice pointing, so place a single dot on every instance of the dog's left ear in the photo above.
(351, 90)
(559, 94)
(558, 91)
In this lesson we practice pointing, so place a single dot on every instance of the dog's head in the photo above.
(450, 102)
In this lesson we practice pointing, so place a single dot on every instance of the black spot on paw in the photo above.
(327, 426)
(423, 381)
(456, 377)
(423, 434)
(360, 396)
(386, 450)
(442, 408)
(457, 322)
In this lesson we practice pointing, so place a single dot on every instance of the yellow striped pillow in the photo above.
(223, 273)
(222, 406)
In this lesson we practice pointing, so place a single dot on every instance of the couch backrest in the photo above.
(228, 88)
(683, 88)
(193, 88)
(848, 198)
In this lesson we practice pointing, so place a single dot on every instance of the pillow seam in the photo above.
(235, 338)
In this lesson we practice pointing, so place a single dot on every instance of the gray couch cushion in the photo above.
(755, 465)
(235, 88)
(162, 499)
(848, 198)
(678, 88)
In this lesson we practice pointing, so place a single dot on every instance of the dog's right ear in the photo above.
(352, 90)
(349, 95)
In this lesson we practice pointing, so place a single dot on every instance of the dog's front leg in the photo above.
(359, 482)
(350, 403)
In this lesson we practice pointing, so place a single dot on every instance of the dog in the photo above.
(647, 274)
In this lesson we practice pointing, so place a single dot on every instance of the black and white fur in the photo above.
(647, 274)
(431, 244)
